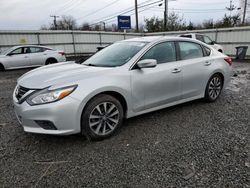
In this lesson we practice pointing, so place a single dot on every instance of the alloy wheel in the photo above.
(104, 118)
(214, 87)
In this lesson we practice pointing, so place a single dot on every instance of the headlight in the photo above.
(48, 96)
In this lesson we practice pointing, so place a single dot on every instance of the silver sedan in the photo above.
(126, 79)
(29, 56)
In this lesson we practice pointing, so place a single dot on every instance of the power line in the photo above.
(98, 10)
(122, 12)
(72, 6)
(65, 5)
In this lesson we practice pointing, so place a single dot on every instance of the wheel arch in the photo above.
(54, 60)
(2, 66)
(120, 97)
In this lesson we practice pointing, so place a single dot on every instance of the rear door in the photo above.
(195, 63)
(37, 56)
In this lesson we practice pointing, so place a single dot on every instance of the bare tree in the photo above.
(67, 23)
(85, 27)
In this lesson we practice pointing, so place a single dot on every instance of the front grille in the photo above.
(20, 92)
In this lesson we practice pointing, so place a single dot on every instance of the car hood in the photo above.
(58, 74)
(2, 56)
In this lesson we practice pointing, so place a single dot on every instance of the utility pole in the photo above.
(55, 16)
(136, 16)
(104, 25)
(166, 15)
(244, 12)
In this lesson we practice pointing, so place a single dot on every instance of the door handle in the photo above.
(176, 70)
(25, 56)
(207, 63)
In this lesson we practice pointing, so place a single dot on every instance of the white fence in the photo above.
(84, 42)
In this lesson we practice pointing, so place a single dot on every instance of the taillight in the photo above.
(229, 60)
(62, 53)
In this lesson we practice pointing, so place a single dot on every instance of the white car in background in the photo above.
(205, 39)
(29, 56)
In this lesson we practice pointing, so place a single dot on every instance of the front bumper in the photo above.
(63, 114)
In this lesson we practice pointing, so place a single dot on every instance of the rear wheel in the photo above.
(102, 117)
(50, 61)
(214, 87)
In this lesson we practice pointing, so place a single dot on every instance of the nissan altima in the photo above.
(29, 56)
(126, 79)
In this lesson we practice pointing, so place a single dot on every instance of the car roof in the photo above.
(150, 39)
(191, 34)
(27, 45)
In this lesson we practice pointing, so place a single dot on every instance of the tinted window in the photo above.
(200, 38)
(163, 52)
(189, 50)
(186, 36)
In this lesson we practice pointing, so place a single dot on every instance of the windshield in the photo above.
(115, 55)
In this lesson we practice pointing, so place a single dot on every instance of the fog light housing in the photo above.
(45, 124)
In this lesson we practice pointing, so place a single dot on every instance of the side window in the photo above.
(26, 50)
(190, 50)
(207, 51)
(36, 49)
(207, 40)
(16, 51)
(163, 53)
(200, 38)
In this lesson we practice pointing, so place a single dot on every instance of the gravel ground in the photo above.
(196, 144)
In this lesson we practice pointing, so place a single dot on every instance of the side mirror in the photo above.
(147, 63)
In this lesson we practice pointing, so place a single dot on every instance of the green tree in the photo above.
(154, 24)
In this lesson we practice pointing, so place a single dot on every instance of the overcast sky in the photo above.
(31, 14)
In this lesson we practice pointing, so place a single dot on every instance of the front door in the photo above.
(153, 87)
(17, 58)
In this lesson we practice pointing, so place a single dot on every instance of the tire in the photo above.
(97, 125)
(50, 61)
(213, 88)
(2, 67)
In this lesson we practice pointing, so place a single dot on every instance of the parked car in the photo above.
(126, 79)
(29, 56)
(205, 39)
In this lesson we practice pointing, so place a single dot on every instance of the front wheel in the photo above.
(102, 117)
(214, 87)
